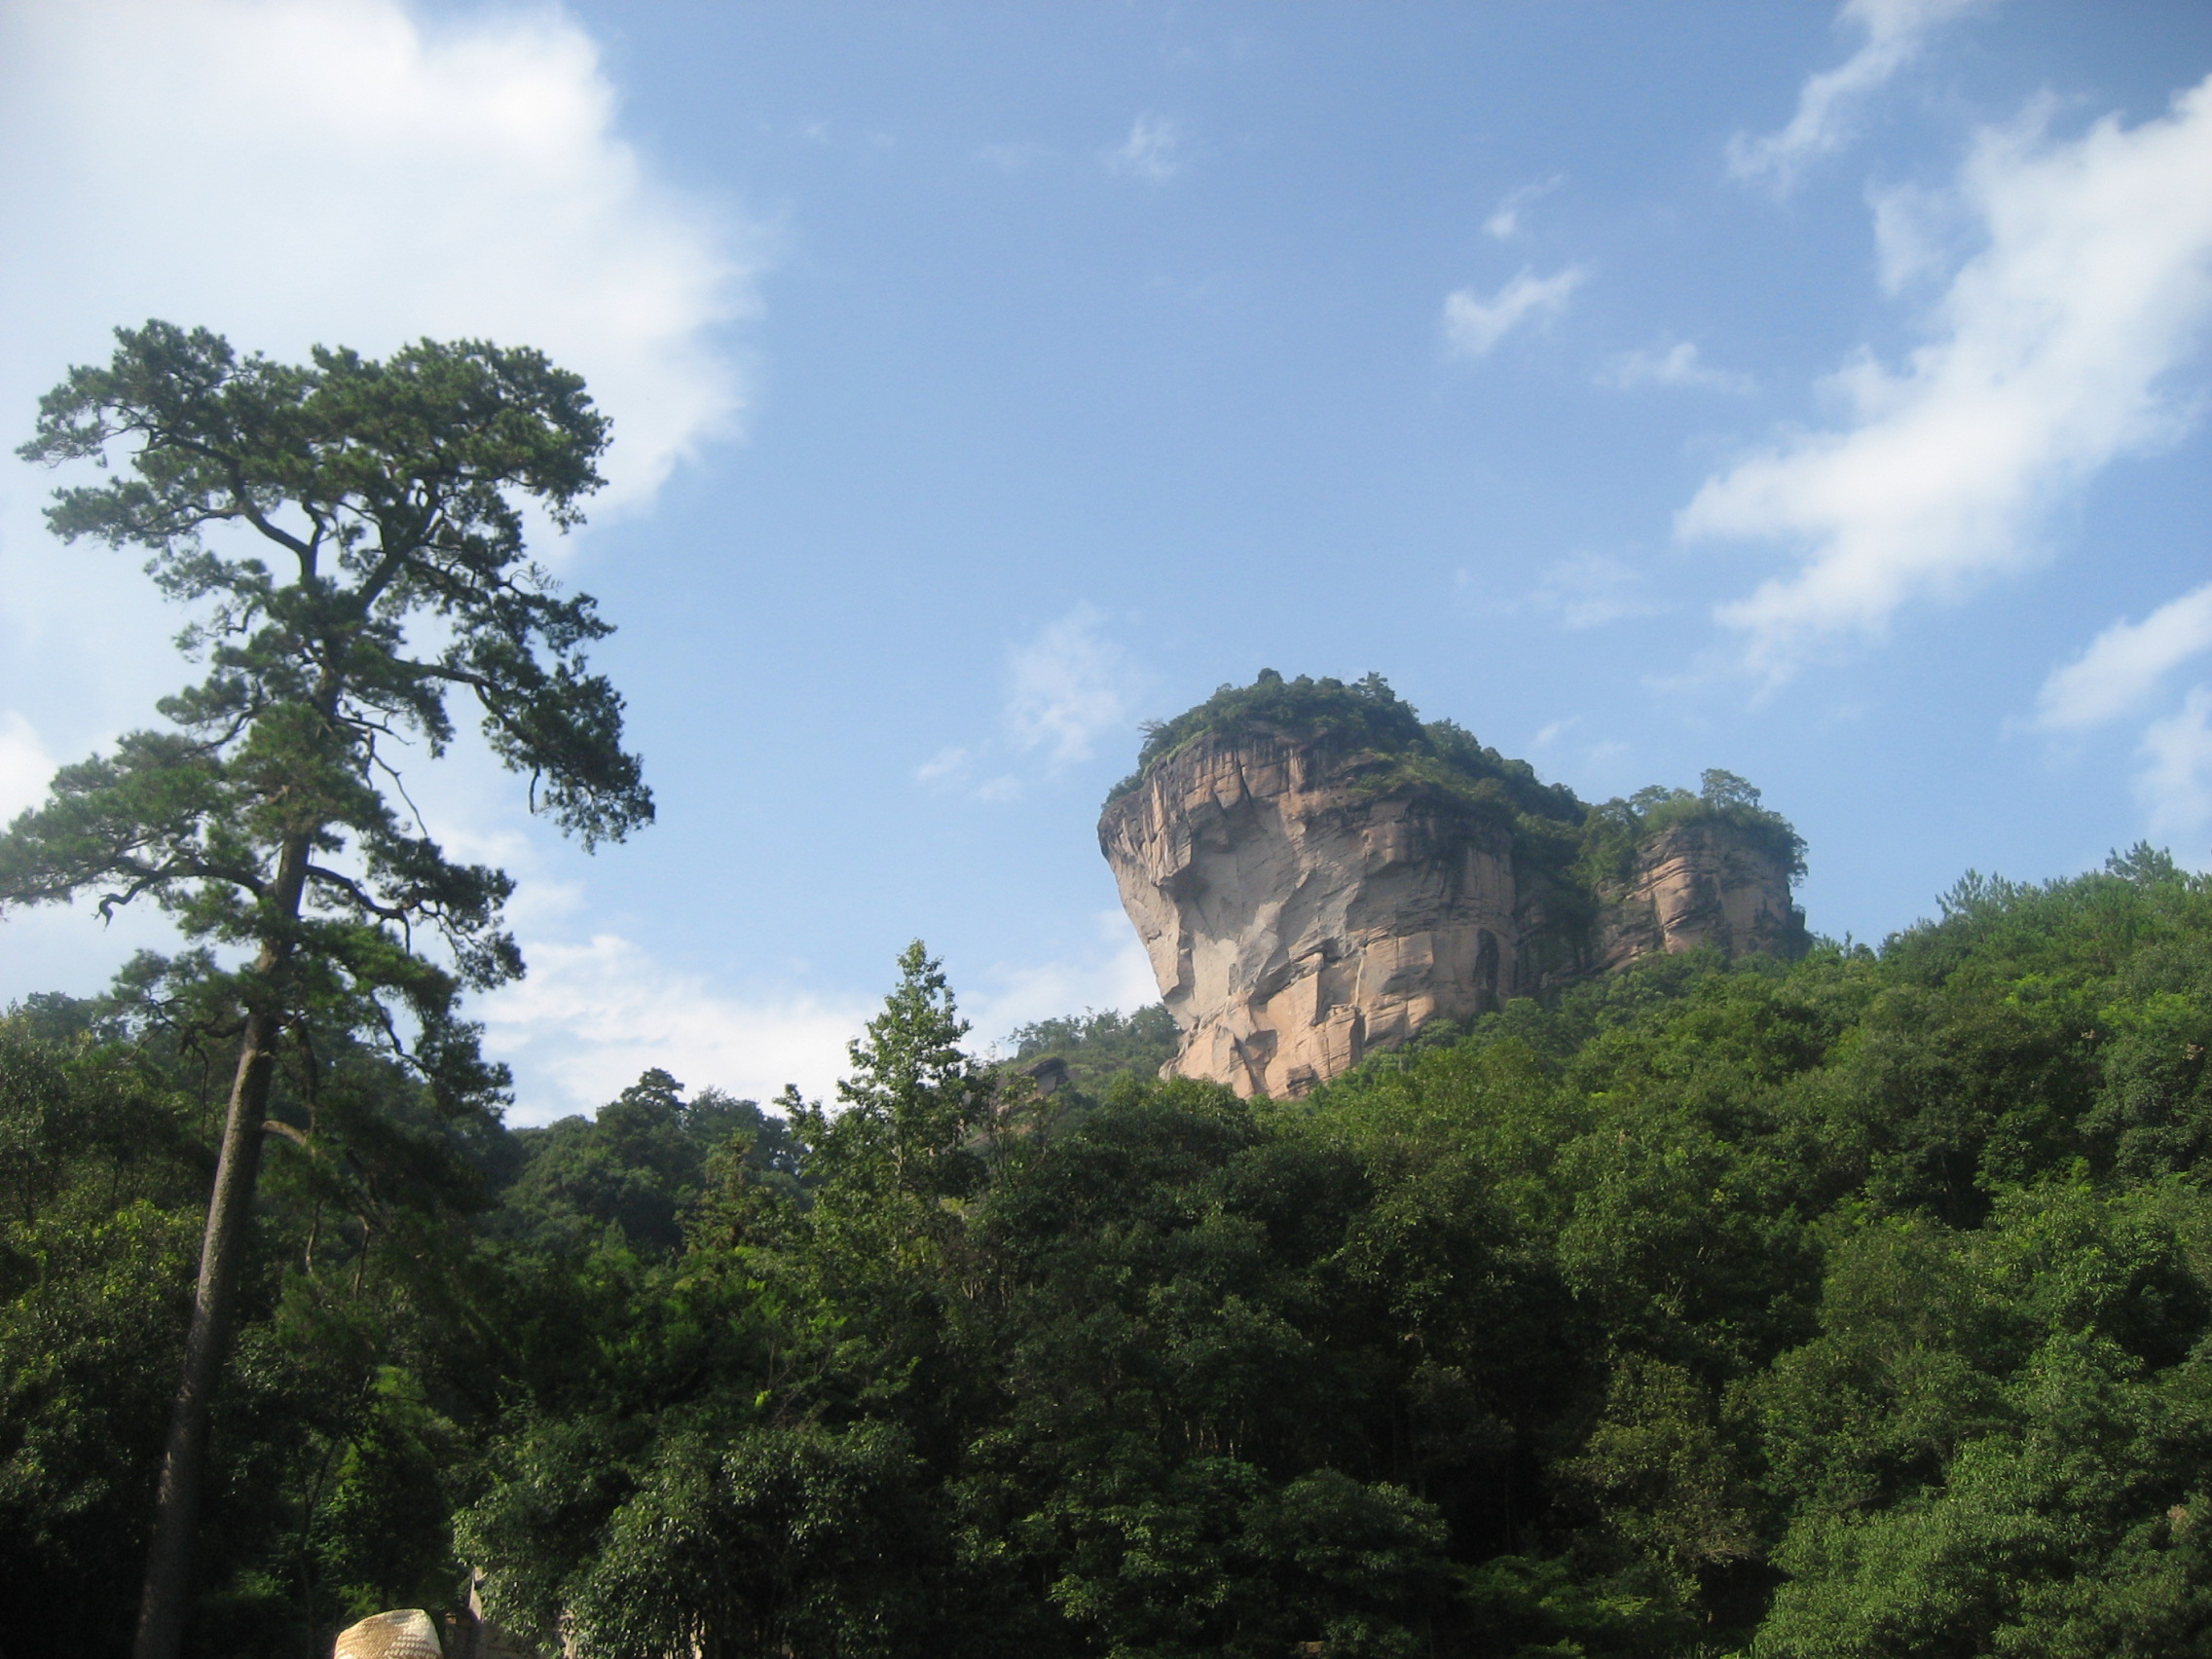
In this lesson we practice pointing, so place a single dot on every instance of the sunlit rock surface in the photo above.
(1298, 918)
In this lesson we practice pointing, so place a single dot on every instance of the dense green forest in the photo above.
(1856, 1306)
(1849, 1305)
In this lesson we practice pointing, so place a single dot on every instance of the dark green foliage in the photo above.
(1855, 1307)
(1367, 718)
(1364, 715)
(2001, 1437)
(640, 1164)
(332, 1435)
(1098, 1049)
(786, 1538)
(97, 1171)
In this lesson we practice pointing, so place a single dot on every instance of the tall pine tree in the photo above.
(315, 516)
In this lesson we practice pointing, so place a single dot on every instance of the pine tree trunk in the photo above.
(167, 1591)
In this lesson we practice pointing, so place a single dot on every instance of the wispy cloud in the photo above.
(1582, 590)
(944, 766)
(1504, 221)
(1473, 325)
(2174, 788)
(1151, 152)
(2124, 664)
(1068, 687)
(592, 1016)
(1895, 31)
(25, 767)
(1113, 972)
(1677, 364)
(1588, 590)
(1919, 234)
(2046, 361)
(2122, 670)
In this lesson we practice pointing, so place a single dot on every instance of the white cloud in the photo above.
(2175, 784)
(2124, 664)
(2117, 675)
(1679, 364)
(946, 765)
(1587, 590)
(1504, 221)
(1895, 31)
(1068, 687)
(25, 767)
(1919, 234)
(1117, 973)
(1150, 152)
(1473, 325)
(346, 172)
(2047, 357)
(591, 1017)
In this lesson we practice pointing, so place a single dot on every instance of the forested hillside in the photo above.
(1852, 1307)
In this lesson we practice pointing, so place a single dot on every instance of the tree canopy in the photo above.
(348, 535)
(1856, 1306)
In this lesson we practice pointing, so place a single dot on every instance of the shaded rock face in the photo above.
(1298, 921)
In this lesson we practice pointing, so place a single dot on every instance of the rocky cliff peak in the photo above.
(1316, 875)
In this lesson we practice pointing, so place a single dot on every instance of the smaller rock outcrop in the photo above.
(1695, 886)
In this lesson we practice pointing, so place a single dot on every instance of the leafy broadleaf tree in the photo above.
(315, 515)
(915, 1098)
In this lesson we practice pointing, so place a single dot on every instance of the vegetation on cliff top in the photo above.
(1364, 716)
(1442, 758)
(1613, 830)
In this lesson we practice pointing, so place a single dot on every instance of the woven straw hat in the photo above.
(405, 1634)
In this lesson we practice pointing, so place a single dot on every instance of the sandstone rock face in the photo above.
(1699, 885)
(1298, 918)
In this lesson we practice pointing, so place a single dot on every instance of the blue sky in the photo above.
(1813, 392)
